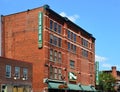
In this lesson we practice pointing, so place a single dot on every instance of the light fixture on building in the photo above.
(78, 72)
(15, 77)
(79, 84)
(64, 69)
(24, 77)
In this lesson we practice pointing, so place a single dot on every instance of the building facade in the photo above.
(62, 53)
(15, 75)
(116, 74)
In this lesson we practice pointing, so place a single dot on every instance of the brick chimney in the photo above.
(114, 72)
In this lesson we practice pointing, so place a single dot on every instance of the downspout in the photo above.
(2, 36)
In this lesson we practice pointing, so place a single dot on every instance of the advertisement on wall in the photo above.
(40, 29)
(0, 34)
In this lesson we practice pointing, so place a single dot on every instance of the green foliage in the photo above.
(106, 82)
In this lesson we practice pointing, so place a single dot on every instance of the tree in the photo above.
(106, 82)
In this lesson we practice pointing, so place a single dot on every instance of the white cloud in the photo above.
(72, 18)
(106, 65)
(100, 58)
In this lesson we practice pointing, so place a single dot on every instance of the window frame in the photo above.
(59, 57)
(68, 34)
(55, 56)
(59, 29)
(17, 72)
(59, 74)
(84, 53)
(51, 72)
(72, 64)
(85, 43)
(51, 54)
(25, 73)
(59, 42)
(51, 39)
(74, 37)
(55, 26)
(8, 71)
(51, 25)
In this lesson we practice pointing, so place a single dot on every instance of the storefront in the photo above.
(15, 88)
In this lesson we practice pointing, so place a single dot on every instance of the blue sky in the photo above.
(99, 17)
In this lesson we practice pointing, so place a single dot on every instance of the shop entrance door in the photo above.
(17, 89)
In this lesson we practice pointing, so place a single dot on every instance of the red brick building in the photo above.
(15, 75)
(62, 53)
(116, 74)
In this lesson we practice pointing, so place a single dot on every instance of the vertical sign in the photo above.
(97, 72)
(0, 34)
(40, 29)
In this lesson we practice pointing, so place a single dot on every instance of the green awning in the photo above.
(74, 87)
(86, 88)
(53, 85)
(93, 88)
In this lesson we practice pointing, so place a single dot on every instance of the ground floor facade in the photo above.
(15, 88)
(62, 86)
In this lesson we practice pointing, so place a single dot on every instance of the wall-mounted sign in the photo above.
(72, 76)
(40, 29)
(97, 73)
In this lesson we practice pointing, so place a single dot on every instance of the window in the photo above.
(59, 42)
(71, 47)
(17, 72)
(25, 73)
(55, 40)
(55, 27)
(59, 29)
(59, 74)
(68, 46)
(51, 55)
(74, 38)
(74, 48)
(55, 73)
(51, 24)
(59, 57)
(84, 42)
(51, 72)
(68, 33)
(71, 36)
(84, 53)
(51, 39)
(55, 56)
(8, 71)
(72, 64)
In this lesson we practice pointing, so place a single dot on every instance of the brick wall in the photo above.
(14, 63)
(20, 41)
